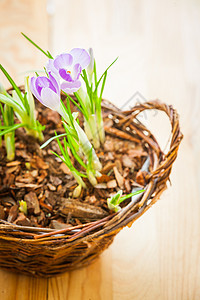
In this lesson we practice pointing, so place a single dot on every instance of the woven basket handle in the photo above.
(164, 167)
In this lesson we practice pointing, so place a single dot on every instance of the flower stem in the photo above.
(10, 145)
(100, 127)
(92, 131)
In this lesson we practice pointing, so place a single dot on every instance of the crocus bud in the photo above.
(90, 67)
(46, 90)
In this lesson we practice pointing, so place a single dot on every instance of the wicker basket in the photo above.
(46, 252)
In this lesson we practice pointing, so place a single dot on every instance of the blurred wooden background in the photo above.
(158, 45)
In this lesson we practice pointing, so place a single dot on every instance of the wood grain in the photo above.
(158, 46)
(16, 54)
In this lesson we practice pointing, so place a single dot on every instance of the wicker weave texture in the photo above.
(46, 252)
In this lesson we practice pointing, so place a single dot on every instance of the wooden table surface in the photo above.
(158, 45)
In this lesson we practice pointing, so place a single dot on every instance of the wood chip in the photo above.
(119, 178)
(127, 185)
(65, 168)
(13, 213)
(34, 173)
(121, 134)
(118, 164)
(51, 186)
(56, 224)
(136, 153)
(41, 164)
(26, 178)
(111, 184)
(108, 145)
(55, 180)
(32, 203)
(22, 220)
(81, 210)
(101, 186)
(28, 185)
(2, 213)
(104, 178)
(127, 161)
(8, 201)
(107, 167)
(43, 175)
(12, 169)
(13, 163)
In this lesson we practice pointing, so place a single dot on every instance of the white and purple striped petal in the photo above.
(50, 99)
(46, 90)
(70, 87)
(68, 67)
(80, 56)
(63, 61)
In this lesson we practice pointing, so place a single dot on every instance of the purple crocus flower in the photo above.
(46, 90)
(68, 66)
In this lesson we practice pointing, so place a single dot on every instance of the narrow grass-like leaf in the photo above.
(104, 73)
(15, 87)
(89, 90)
(51, 139)
(95, 73)
(11, 102)
(129, 196)
(11, 128)
(34, 44)
(102, 89)
(76, 155)
(83, 107)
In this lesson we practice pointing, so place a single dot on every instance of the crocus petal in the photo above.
(80, 56)
(50, 67)
(33, 88)
(55, 82)
(50, 99)
(71, 87)
(44, 82)
(76, 71)
(63, 61)
(65, 75)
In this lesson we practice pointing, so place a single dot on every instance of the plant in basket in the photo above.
(74, 168)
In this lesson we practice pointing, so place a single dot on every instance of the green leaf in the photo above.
(76, 155)
(95, 73)
(51, 139)
(129, 196)
(104, 74)
(34, 44)
(102, 89)
(11, 102)
(15, 87)
(89, 90)
(82, 106)
(11, 128)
